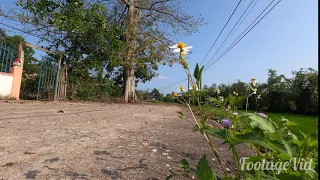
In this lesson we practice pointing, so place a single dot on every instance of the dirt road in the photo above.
(97, 141)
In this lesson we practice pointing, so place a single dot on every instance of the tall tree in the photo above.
(156, 19)
(146, 27)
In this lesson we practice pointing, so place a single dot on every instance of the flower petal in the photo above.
(176, 50)
(185, 52)
(174, 46)
(188, 47)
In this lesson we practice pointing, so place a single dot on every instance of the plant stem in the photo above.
(217, 155)
(209, 141)
(234, 152)
(236, 159)
(258, 171)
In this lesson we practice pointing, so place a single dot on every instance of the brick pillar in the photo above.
(17, 74)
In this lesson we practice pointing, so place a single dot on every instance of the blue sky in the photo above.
(285, 40)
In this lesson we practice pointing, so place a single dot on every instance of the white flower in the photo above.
(194, 89)
(181, 90)
(181, 46)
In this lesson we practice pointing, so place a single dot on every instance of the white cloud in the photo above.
(162, 77)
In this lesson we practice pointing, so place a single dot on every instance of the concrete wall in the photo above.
(6, 80)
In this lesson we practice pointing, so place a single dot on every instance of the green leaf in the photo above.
(169, 176)
(262, 123)
(215, 100)
(304, 135)
(220, 133)
(313, 143)
(181, 115)
(285, 147)
(227, 178)
(291, 123)
(267, 177)
(204, 171)
(253, 138)
(185, 165)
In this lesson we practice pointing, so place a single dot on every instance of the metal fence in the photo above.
(6, 57)
(47, 80)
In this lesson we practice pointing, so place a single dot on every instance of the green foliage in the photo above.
(185, 166)
(181, 115)
(31, 64)
(198, 75)
(156, 94)
(297, 94)
(203, 170)
(259, 132)
(94, 90)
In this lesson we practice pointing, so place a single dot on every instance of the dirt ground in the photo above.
(63, 140)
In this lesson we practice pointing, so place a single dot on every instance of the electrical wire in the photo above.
(221, 31)
(237, 41)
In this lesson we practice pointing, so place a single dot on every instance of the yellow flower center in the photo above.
(174, 94)
(181, 88)
(181, 45)
(194, 86)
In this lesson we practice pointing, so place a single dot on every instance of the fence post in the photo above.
(57, 80)
(17, 74)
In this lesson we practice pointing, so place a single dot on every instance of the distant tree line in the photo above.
(297, 94)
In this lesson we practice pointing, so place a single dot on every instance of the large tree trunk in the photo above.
(130, 33)
(129, 92)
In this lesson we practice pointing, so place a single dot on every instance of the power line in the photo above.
(241, 22)
(218, 50)
(235, 43)
(173, 84)
(21, 30)
(221, 32)
(232, 45)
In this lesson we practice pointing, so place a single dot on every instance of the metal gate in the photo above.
(50, 87)
(6, 57)
(47, 80)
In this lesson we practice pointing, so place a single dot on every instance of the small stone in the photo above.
(169, 157)
(167, 165)
(214, 159)
(146, 144)
(154, 150)
(168, 150)
(228, 170)
(114, 177)
(166, 154)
